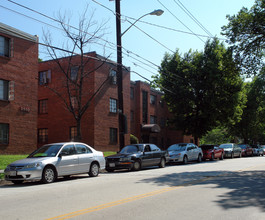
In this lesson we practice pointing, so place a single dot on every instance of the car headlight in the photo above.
(125, 159)
(32, 165)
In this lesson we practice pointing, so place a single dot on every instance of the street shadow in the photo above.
(245, 189)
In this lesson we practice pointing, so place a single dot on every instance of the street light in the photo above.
(119, 67)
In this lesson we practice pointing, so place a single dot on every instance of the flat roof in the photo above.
(17, 33)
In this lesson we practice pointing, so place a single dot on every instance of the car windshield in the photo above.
(226, 146)
(130, 149)
(177, 147)
(207, 147)
(46, 151)
(243, 146)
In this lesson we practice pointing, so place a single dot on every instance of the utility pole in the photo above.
(119, 75)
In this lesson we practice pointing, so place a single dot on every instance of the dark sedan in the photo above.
(231, 150)
(136, 156)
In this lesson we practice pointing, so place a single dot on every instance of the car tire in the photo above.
(212, 157)
(162, 163)
(17, 181)
(222, 156)
(199, 158)
(48, 175)
(94, 170)
(136, 165)
(185, 159)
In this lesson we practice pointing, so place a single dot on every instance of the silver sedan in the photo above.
(55, 160)
(184, 152)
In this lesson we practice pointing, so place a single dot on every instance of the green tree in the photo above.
(252, 125)
(201, 89)
(245, 32)
(217, 135)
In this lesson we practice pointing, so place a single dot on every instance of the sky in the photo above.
(145, 44)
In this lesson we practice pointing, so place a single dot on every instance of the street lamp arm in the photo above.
(155, 12)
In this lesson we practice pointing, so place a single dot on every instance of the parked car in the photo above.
(257, 150)
(212, 152)
(56, 160)
(137, 156)
(263, 147)
(246, 150)
(231, 150)
(184, 152)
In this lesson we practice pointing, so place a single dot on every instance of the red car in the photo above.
(246, 150)
(212, 152)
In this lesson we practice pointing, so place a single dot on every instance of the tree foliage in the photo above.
(217, 135)
(201, 89)
(251, 128)
(246, 34)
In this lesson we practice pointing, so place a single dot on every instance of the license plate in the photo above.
(12, 173)
(111, 164)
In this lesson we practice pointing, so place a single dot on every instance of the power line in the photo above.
(180, 21)
(53, 19)
(180, 4)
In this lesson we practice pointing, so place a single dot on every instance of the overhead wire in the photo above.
(180, 4)
(112, 48)
(180, 21)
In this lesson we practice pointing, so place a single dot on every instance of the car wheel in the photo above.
(136, 165)
(212, 157)
(48, 175)
(94, 170)
(199, 158)
(185, 159)
(17, 181)
(162, 163)
(222, 156)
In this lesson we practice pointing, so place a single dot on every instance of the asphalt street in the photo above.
(228, 189)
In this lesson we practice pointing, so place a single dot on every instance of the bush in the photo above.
(133, 139)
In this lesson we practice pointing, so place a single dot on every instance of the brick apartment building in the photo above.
(149, 115)
(99, 125)
(18, 91)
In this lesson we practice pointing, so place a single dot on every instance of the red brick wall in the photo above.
(97, 120)
(167, 135)
(22, 68)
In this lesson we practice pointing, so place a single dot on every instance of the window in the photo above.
(68, 150)
(132, 116)
(4, 89)
(113, 105)
(82, 149)
(74, 102)
(43, 135)
(153, 119)
(152, 99)
(73, 133)
(43, 108)
(4, 46)
(74, 72)
(45, 77)
(113, 75)
(4, 133)
(132, 93)
(145, 107)
(113, 135)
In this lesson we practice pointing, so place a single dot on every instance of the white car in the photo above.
(54, 160)
(184, 152)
